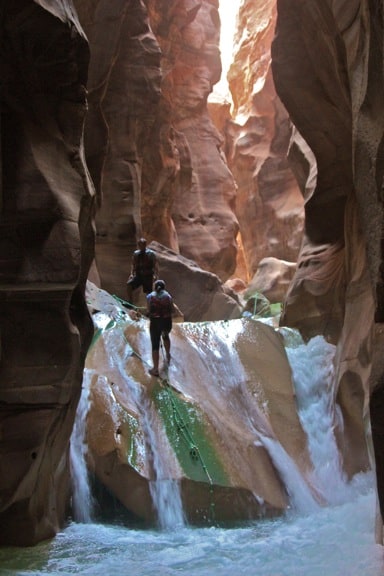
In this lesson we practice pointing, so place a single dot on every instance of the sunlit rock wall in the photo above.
(269, 204)
(46, 249)
(199, 195)
(328, 71)
(152, 149)
(123, 96)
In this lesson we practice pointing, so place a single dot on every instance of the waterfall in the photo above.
(230, 373)
(300, 495)
(313, 377)
(164, 490)
(81, 493)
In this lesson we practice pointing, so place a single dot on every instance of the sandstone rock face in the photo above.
(269, 204)
(230, 393)
(153, 152)
(46, 250)
(272, 279)
(199, 294)
(123, 95)
(323, 55)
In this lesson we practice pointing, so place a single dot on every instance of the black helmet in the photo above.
(159, 285)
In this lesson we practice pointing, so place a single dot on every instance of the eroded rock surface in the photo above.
(323, 55)
(46, 250)
(269, 203)
(152, 148)
(229, 396)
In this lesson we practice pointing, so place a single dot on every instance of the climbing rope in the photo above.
(127, 304)
(180, 424)
(185, 432)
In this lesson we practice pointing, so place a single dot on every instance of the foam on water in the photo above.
(335, 541)
(82, 503)
(164, 490)
(314, 380)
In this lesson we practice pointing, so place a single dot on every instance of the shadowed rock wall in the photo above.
(46, 249)
(123, 94)
(328, 70)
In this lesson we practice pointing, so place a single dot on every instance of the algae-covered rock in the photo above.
(211, 422)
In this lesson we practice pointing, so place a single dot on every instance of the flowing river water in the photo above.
(335, 540)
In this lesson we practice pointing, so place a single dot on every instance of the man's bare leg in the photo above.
(167, 347)
(155, 359)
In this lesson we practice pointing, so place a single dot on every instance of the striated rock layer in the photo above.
(269, 203)
(46, 250)
(153, 152)
(327, 64)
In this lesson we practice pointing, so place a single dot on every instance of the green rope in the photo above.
(181, 426)
(254, 306)
(194, 451)
(127, 304)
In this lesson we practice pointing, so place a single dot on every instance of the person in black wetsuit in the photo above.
(160, 309)
(144, 270)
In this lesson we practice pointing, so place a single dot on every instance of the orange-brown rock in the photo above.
(152, 148)
(272, 279)
(269, 204)
(46, 250)
(322, 56)
(230, 394)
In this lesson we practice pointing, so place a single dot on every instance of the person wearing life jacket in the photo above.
(144, 270)
(160, 309)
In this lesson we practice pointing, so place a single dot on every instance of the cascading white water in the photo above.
(301, 497)
(312, 371)
(229, 376)
(81, 494)
(165, 491)
(313, 377)
(335, 541)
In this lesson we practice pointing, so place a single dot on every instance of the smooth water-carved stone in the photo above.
(46, 250)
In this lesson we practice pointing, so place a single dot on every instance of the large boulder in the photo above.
(272, 279)
(199, 294)
(212, 423)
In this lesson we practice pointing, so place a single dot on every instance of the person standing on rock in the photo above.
(160, 309)
(144, 270)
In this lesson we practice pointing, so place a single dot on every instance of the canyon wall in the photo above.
(152, 149)
(269, 202)
(158, 166)
(46, 250)
(327, 65)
